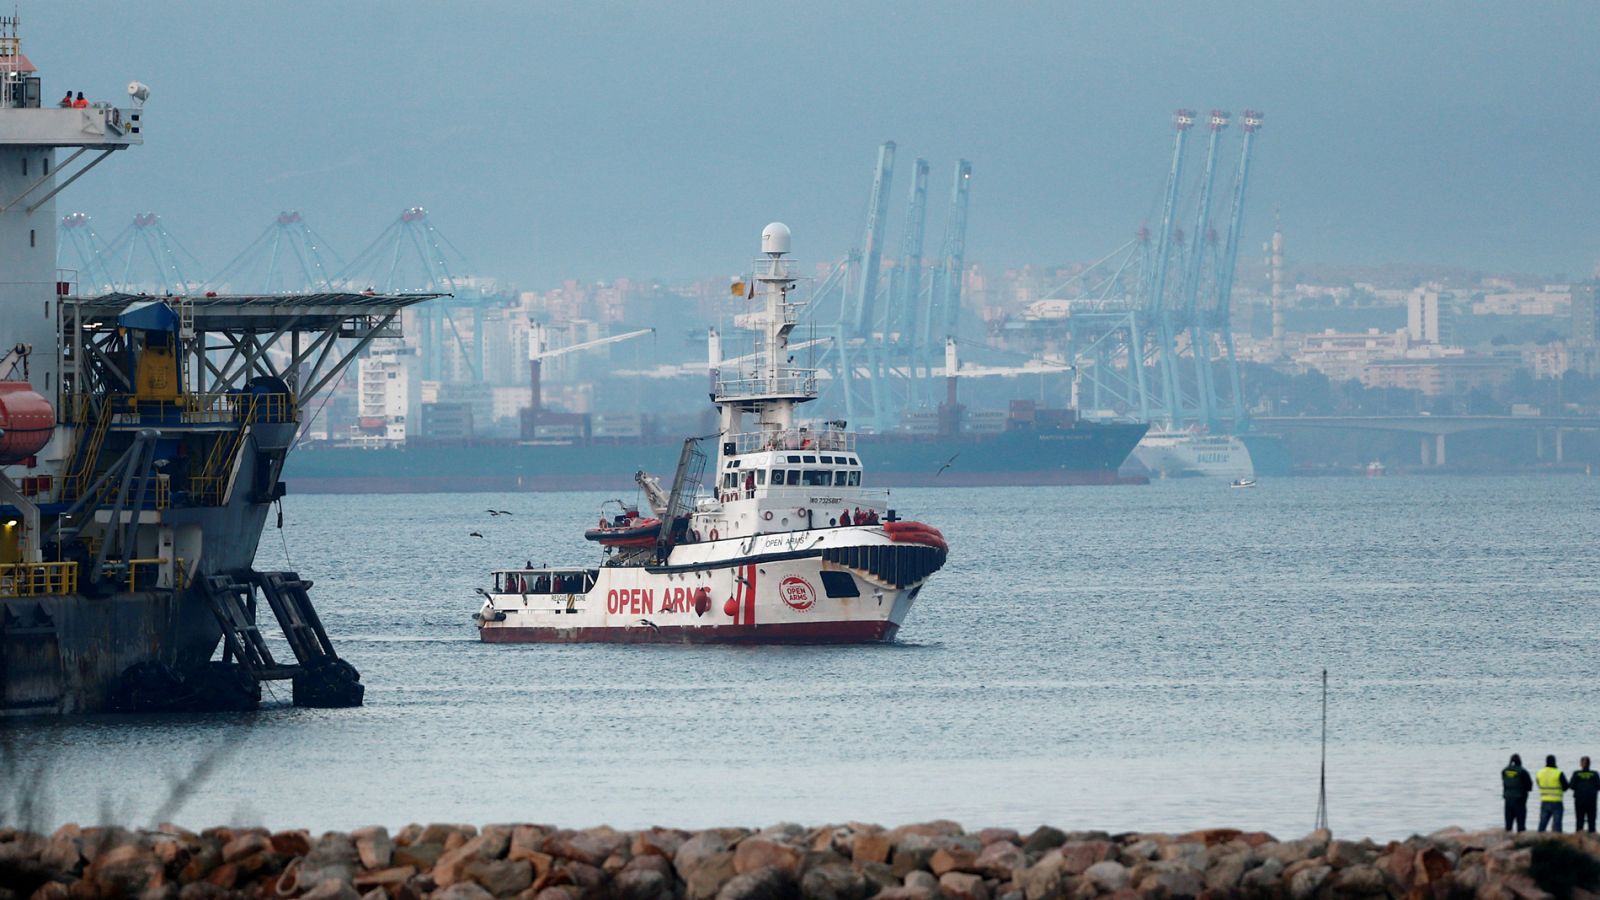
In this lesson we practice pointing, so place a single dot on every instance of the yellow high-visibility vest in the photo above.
(1549, 785)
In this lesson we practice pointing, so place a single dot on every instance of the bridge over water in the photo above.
(1433, 430)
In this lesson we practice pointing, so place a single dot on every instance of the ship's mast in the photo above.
(774, 385)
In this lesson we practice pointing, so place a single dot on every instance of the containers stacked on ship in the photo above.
(791, 544)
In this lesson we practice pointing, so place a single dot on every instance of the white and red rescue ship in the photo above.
(790, 546)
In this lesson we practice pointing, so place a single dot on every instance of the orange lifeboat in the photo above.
(915, 533)
(632, 533)
(26, 422)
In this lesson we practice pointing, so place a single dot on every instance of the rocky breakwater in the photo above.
(930, 861)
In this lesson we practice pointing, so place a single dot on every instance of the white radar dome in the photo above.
(775, 239)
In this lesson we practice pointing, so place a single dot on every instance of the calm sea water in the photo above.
(1119, 658)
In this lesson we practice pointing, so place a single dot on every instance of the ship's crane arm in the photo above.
(654, 494)
(538, 351)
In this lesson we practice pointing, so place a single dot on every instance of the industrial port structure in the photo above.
(1149, 325)
(1144, 333)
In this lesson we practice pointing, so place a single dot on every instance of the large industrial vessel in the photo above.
(1037, 450)
(142, 448)
(792, 546)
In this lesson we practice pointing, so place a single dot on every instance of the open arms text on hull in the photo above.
(789, 547)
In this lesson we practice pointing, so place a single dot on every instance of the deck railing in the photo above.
(827, 439)
(39, 579)
(783, 383)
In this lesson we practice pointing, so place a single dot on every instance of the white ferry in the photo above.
(791, 546)
(1187, 452)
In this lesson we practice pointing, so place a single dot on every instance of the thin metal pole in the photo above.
(1322, 786)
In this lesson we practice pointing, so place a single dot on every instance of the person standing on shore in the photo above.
(1515, 786)
(1585, 784)
(1552, 788)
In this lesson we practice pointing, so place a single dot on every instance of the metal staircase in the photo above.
(319, 676)
(80, 469)
(686, 483)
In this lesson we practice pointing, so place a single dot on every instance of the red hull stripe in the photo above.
(785, 633)
(750, 595)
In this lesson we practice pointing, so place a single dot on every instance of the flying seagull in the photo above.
(499, 512)
(947, 464)
(475, 534)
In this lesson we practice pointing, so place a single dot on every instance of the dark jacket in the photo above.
(1515, 783)
(1585, 784)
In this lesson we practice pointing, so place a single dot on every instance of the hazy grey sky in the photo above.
(595, 140)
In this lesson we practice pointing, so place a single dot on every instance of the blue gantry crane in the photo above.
(413, 256)
(887, 334)
(1130, 320)
(288, 257)
(143, 258)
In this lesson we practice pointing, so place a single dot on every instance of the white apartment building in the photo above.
(1430, 316)
(388, 394)
(1343, 356)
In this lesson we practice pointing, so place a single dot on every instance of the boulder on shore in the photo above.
(855, 861)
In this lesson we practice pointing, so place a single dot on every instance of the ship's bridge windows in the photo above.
(810, 458)
(829, 459)
(841, 478)
(794, 477)
(793, 459)
(761, 476)
(818, 478)
(855, 479)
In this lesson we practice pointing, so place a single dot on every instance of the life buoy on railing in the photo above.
(694, 536)
(767, 515)
(713, 534)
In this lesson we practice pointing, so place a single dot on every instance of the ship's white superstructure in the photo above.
(1181, 453)
(791, 544)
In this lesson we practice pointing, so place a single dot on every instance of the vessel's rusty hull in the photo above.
(66, 654)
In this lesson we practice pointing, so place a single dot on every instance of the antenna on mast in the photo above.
(1322, 780)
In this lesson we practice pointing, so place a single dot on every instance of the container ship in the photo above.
(142, 443)
(791, 545)
(1035, 447)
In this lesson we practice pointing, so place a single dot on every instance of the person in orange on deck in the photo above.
(80, 103)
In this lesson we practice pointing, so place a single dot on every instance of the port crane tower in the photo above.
(539, 351)
(1130, 324)
(287, 257)
(886, 335)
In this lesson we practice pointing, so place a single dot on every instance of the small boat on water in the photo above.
(1243, 483)
(789, 545)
